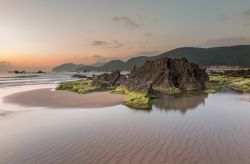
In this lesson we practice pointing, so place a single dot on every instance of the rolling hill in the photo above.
(230, 56)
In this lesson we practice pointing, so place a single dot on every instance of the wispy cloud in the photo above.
(242, 16)
(99, 43)
(127, 22)
(226, 42)
(112, 44)
(246, 13)
(4, 63)
(148, 34)
(116, 44)
(246, 17)
(5, 66)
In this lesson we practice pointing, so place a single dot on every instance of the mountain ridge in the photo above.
(238, 55)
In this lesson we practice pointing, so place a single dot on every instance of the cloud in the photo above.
(5, 66)
(148, 34)
(112, 44)
(4, 63)
(246, 16)
(127, 22)
(99, 43)
(226, 42)
(96, 56)
(116, 44)
(234, 16)
(246, 13)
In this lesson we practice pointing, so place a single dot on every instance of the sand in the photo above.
(188, 130)
(63, 99)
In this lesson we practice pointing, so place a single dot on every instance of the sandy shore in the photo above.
(63, 99)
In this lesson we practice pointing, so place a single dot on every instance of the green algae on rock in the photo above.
(218, 81)
(135, 99)
(79, 86)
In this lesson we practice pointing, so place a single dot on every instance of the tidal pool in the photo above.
(212, 128)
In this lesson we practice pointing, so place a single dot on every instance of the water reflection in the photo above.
(217, 132)
(181, 103)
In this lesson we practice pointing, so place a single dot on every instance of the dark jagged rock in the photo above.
(107, 80)
(158, 74)
(166, 73)
(134, 84)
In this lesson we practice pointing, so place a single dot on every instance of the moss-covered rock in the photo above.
(217, 82)
(79, 86)
(135, 99)
(142, 100)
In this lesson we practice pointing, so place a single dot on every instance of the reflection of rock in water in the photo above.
(147, 110)
(179, 103)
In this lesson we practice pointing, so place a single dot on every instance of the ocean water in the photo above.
(8, 80)
(204, 129)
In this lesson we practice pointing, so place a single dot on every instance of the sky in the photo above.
(46, 33)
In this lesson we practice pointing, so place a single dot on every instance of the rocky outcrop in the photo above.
(158, 74)
(107, 80)
(134, 84)
(167, 72)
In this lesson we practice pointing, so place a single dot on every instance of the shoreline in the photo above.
(48, 98)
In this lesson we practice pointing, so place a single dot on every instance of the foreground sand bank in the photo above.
(63, 99)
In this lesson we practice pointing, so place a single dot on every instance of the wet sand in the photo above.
(63, 99)
(205, 129)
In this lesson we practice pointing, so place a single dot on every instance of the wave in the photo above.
(10, 80)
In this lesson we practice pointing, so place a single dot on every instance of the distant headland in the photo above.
(218, 56)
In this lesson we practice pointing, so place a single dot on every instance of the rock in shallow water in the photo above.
(107, 80)
(160, 74)
(167, 72)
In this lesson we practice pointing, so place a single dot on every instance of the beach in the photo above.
(51, 98)
(40, 125)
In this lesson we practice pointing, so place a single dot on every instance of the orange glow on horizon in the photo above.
(54, 59)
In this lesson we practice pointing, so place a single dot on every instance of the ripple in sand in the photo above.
(206, 132)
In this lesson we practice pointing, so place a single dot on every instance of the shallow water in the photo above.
(9, 80)
(212, 128)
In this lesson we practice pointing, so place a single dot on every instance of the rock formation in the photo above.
(107, 80)
(159, 74)
(168, 72)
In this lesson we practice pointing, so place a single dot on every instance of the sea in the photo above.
(185, 129)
